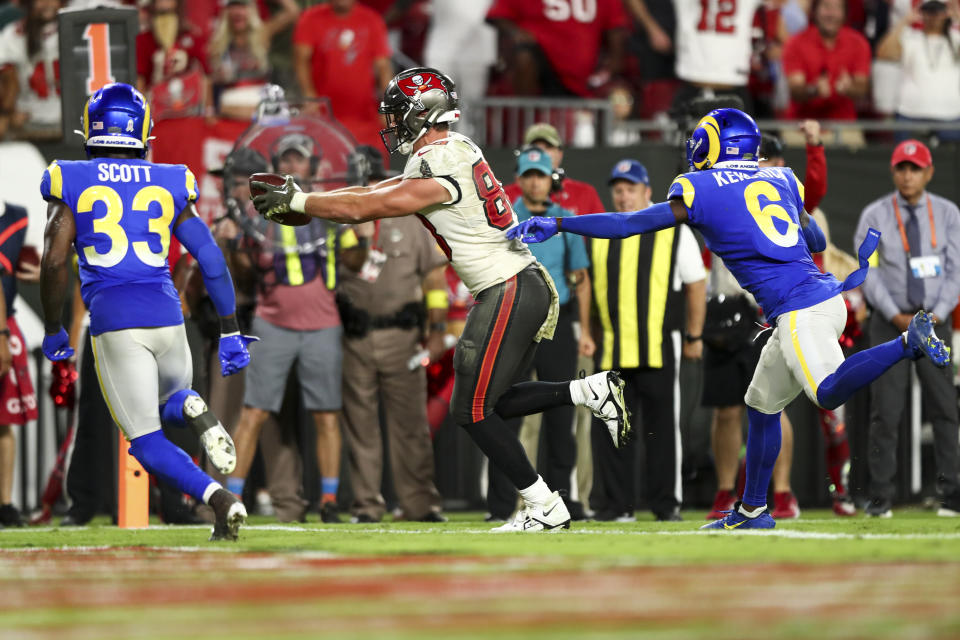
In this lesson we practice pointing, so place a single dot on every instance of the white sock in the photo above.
(751, 514)
(537, 493)
(577, 395)
(209, 491)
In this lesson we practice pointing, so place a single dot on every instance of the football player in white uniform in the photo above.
(448, 184)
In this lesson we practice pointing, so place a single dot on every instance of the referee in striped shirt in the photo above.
(648, 288)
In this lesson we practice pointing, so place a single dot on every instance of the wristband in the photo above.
(298, 202)
(440, 327)
(691, 338)
(229, 326)
(437, 299)
(5, 332)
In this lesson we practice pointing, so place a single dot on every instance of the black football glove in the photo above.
(275, 200)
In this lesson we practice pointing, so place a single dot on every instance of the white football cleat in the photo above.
(550, 516)
(213, 437)
(604, 397)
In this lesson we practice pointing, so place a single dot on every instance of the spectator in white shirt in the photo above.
(930, 61)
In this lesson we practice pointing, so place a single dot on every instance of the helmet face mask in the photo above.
(723, 135)
(413, 102)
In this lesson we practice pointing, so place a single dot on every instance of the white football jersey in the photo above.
(38, 75)
(714, 40)
(471, 226)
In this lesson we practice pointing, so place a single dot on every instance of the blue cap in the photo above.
(534, 158)
(630, 170)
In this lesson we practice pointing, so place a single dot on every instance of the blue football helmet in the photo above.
(723, 135)
(117, 116)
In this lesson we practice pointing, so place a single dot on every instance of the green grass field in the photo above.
(818, 577)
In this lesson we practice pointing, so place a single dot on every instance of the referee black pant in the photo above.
(888, 399)
(653, 398)
(555, 361)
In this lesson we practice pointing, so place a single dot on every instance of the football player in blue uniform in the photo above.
(754, 219)
(118, 211)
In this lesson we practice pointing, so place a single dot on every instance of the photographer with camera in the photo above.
(298, 324)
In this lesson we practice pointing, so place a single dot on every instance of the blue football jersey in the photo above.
(124, 211)
(751, 219)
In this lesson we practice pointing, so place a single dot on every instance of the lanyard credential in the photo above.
(903, 231)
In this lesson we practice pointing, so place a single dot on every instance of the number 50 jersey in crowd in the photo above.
(124, 211)
(471, 226)
(750, 217)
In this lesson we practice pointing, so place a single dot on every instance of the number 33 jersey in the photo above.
(124, 210)
(751, 218)
(471, 226)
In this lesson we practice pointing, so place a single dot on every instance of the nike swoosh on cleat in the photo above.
(727, 526)
(547, 513)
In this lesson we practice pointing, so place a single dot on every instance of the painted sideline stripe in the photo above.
(780, 533)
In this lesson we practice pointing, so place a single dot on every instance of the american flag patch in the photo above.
(733, 151)
(97, 125)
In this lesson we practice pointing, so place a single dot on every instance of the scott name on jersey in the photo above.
(122, 172)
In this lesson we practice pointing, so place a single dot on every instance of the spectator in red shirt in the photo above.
(827, 66)
(170, 47)
(555, 46)
(568, 193)
(341, 53)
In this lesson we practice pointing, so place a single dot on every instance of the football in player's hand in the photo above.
(291, 218)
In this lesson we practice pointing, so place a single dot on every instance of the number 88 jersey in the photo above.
(750, 217)
(471, 226)
(124, 210)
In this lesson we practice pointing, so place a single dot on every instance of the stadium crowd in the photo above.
(823, 59)
(366, 313)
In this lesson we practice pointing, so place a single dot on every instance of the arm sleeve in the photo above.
(873, 288)
(813, 235)
(194, 235)
(950, 286)
(690, 266)
(792, 63)
(381, 44)
(502, 9)
(575, 254)
(616, 16)
(621, 225)
(816, 177)
(301, 32)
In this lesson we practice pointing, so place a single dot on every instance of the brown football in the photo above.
(290, 219)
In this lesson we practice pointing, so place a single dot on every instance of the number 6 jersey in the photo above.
(471, 226)
(124, 210)
(750, 217)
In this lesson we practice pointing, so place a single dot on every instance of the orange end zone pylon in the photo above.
(133, 490)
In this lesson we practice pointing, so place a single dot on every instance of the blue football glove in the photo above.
(536, 229)
(233, 353)
(57, 346)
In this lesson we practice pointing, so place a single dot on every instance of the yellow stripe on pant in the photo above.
(796, 347)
